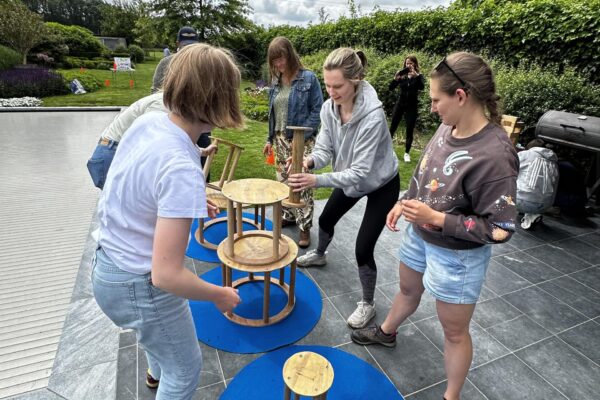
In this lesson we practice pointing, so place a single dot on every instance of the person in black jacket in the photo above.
(411, 82)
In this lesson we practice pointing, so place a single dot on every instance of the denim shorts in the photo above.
(162, 322)
(451, 276)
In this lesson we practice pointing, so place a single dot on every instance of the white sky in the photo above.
(301, 12)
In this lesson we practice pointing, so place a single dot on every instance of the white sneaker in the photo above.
(312, 258)
(362, 315)
(406, 157)
(530, 220)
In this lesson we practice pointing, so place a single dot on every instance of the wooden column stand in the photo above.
(307, 374)
(258, 251)
(294, 200)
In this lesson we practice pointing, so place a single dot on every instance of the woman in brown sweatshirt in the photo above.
(460, 201)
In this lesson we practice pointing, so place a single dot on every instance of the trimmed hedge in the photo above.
(525, 92)
(136, 53)
(255, 104)
(79, 62)
(90, 82)
(8, 58)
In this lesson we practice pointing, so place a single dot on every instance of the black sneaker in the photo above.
(373, 335)
(150, 381)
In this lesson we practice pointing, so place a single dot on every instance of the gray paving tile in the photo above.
(573, 293)
(127, 373)
(468, 392)
(337, 277)
(361, 352)
(549, 230)
(568, 371)
(503, 248)
(557, 257)
(585, 338)
(127, 338)
(42, 394)
(486, 294)
(591, 238)
(212, 392)
(581, 249)
(387, 267)
(589, 277)
(232, 363)
(211, 368)
(528, 267)
(88, 338)
(502, 280)
(346, 304)
(519, 332)
(545, 309)
(413, 364)
(510, 378)
(494, 311)
(99, 382)
(523, 240)
(331, 330)
(485, 347)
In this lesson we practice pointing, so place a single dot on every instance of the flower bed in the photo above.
(36, 82)
(21, 102)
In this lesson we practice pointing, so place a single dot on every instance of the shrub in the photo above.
(79, 42)
(90, 82)
(8, 58)
(78, 62)
(35, 82)
(255, 103)
(136, 53)
(120, 49)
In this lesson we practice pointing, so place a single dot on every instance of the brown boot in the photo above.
(304, 241)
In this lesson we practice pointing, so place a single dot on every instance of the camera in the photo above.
(403, 71)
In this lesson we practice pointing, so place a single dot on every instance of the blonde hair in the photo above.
(202, 85)
(477, 75)
(282, 47)
(351, 63)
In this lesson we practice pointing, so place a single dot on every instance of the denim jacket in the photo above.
(304, 105)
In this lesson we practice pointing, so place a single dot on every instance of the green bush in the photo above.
(8, 58)
(89, 81)
(120, 49)
(136, 53)
(255, 104)
(79, 62)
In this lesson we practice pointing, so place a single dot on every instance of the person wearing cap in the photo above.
(186, 35)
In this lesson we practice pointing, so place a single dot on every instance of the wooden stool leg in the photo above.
(292, 291)
(262, 219)
(282, 276)
(251, 276)
(201, 230)
(267, 296)
(256, 215)
(286, 392)
(223, 275)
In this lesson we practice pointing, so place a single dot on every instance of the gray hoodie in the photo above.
(360, 151)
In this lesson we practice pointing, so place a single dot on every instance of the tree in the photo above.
(86, 13)
(20, 28)
(118, 18)
(212, 18)
(354, 9)
(323, 15)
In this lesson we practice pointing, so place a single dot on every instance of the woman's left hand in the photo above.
(300, 182)
(421, 214)
(212, 208)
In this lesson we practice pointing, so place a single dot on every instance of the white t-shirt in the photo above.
(156, 172)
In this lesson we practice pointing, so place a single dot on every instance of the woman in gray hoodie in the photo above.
(355, 138)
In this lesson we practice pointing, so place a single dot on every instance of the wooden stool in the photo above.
(307, 374)
(213, 190)
(294, 200)
(257, 251)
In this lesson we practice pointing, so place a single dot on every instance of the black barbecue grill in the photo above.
(577, 131)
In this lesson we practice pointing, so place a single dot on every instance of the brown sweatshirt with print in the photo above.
(473, 181)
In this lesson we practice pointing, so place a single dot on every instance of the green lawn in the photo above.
(252, 138)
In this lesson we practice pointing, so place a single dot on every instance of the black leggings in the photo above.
(379, 203)
(410, 112)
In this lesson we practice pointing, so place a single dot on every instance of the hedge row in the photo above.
(560, 32)
(90, 82)
(525, 92)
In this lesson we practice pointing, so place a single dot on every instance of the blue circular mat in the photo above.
(354, 378)
(217, 331)
(215, 234)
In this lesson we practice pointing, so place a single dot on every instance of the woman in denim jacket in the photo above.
(295, 99)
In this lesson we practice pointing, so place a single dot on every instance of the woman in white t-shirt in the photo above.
(154, 188)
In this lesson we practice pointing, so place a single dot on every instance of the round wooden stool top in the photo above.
(308, 374)
(255, 191)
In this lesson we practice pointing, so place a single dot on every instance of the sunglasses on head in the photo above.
(464, 84)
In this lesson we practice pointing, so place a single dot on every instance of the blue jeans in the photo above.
(162, 322)
(100, 162)
(452, 276)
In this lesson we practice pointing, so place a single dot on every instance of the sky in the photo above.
(301, 12)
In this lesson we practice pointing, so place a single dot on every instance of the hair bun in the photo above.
(363, 57)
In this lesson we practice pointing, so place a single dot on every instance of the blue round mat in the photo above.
(354, 378)
(217, 331)
(215, 234)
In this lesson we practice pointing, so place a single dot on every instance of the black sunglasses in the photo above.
(464, 84)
